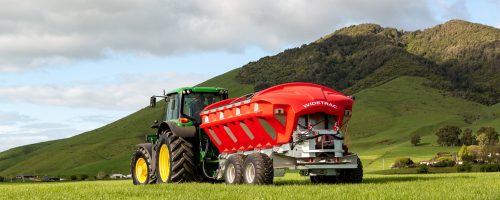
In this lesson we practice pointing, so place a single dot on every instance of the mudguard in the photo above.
(181, 131)
(147, 146)
(152, 153)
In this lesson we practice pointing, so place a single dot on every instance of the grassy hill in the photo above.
(388, 115)
(458, 57)
(395, 84)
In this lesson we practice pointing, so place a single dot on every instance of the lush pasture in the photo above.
(428, 186)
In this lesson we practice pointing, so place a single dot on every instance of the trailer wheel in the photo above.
(141, 167)
(175, 159)
(351, 175)
(234, 169)
(323, 179)
(258, 169)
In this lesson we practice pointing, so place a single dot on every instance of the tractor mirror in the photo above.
(152, 102)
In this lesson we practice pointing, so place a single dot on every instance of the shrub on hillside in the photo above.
(444, 162)
(403, 163)
(73, 177)
(415, 140)
(101, 175)
(422, 169)
(84, 177)
(465, 167)
(490, 168)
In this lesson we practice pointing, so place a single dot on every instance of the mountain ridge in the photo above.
(360, 56)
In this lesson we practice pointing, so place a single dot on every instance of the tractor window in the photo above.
(172, 107)
(195, 102)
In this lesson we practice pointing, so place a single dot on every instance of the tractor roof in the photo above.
(197, 89)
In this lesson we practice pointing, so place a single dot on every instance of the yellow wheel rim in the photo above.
(164, 163)
(141, 170)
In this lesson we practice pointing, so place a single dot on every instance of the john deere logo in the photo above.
(319, 103)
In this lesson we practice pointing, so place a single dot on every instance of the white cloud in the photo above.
(47, 32)
(44, 125)
(447, 10)
(13, 118)
(127, 92)
(30, 131)
(13, 136)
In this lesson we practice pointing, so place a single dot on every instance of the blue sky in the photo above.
(69, 67)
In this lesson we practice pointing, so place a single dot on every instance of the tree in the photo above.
(403, 163)
(474, 152)
(415, 139)
(2, 178)
(73, 177)
(101, 175)
(467, 138)
(487, 139)
(261, 86)
(84, 177)
(448, 136)
(465, 155)
(462, 152)
(487, 136)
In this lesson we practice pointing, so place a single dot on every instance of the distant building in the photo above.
(51, 179)
(116, 176)
(426, 162)
(26, 177)
(129, 176)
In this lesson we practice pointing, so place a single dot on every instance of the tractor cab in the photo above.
(184, 105)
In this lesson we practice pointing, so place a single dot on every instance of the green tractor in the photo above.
(179, 151)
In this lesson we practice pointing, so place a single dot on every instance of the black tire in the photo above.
(351, 175)
(258, 169)
(182, 165)
(141, 153)
(233, 173)
(323, 179)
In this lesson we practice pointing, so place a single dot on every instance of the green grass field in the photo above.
(428, 186)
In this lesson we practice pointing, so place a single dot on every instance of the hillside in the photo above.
(458, 57)
(398, 78)
(388, 115)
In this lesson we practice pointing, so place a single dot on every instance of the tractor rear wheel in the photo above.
(175, 159)
(141, 167)
(258, 169)
(233, 173)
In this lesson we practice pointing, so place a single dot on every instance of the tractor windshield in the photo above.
(195, 102)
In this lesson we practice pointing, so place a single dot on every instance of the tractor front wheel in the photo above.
(141, 167)
(163, 161)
